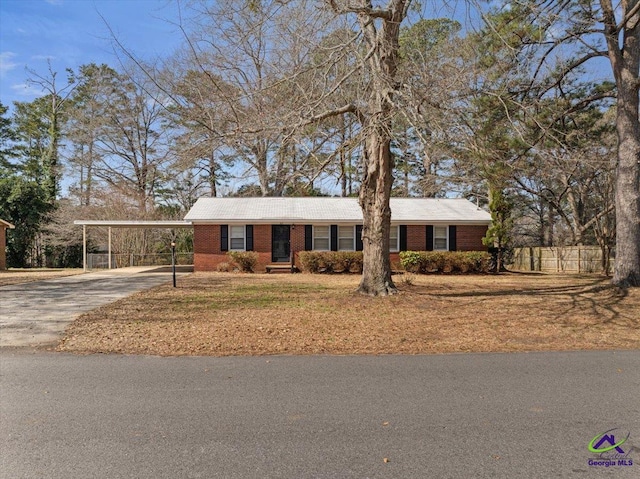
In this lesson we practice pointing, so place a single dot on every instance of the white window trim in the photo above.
(328, 237)
(396, 248)
(244, 237)
(352, 237)
(446, 232)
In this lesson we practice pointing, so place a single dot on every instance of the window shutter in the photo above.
(224, 237)
(452, 238)
(359, 246)
(308, 237)
(334, 237)
(429, 238)
(249, 237)
(403, 237)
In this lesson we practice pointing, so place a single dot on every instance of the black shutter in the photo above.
(429, 238)
(308, 237)
(334, 237)
(359, 246)
(452, 238)
(249, 237)
(403, 237)
(224, 237)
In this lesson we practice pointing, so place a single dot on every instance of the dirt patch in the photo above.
(17, 276)
(233, 314)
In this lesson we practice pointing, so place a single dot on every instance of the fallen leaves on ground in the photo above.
(224, 314)
(18, 276)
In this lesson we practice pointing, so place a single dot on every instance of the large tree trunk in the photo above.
(374, 201)
(378, 166)
(625, 63)
(627, 262)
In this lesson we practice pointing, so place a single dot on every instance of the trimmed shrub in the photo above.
(246, 260)
(309, 261)
(224, 267)
(445, 261)
(351, 261)
(331, 261)
(411, 261)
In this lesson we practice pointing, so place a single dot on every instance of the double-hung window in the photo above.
(346, 238)
(440, 238)
(321, 238)
(394, 239)
(237, 238)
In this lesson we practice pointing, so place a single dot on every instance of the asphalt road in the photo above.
(36, 314)
(450, 416)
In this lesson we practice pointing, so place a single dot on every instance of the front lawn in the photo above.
(254, 314)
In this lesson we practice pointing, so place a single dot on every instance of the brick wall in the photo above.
(297, 238)
(207, 252)
(416, 237)
(469, 237)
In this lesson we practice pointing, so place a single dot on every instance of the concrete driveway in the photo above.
(36, 314)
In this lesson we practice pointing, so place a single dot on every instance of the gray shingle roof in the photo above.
(331, 210)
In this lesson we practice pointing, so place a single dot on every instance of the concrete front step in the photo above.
(281, 268)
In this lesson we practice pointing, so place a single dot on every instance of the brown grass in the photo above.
(234, 314)
(17, 276)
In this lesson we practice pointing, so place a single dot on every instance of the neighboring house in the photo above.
(276, 227)
(4, 225)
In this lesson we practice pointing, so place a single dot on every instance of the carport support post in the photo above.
(109, 247)
(173, 261)
(84, 248)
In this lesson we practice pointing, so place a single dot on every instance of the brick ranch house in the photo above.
(277, 227)
(4, 226)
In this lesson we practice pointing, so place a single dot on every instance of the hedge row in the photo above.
(446, 261)
(351, 261)
(331, 261)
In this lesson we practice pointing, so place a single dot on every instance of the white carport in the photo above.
(124, 224)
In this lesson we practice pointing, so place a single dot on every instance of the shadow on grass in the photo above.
(597, 297)
(168, 269)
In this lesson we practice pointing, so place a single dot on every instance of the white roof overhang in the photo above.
(135, 224)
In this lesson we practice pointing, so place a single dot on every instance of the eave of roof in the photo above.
(6, 224)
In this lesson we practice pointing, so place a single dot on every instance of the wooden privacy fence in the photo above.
(558, 259)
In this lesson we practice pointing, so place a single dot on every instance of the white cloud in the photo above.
(24, 89)
(54, 2)
(43, 57)
(6, 63)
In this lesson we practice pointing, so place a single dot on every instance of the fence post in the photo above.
(579, 250)
(532, 261)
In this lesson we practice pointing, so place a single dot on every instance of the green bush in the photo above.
(246, 260)
(331, 261)
(445, 261)
(411, 261)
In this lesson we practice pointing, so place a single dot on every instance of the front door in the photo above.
(280, 243)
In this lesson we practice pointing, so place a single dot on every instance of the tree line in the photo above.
(532, 112)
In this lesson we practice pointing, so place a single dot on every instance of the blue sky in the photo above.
(71, 33)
